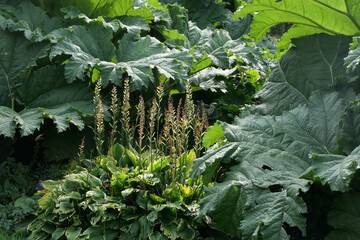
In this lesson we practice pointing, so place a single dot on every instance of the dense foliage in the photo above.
(303, 136)
(281, 164)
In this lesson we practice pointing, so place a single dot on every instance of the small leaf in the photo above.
(214, 134)
(72, 233)
(57, 234)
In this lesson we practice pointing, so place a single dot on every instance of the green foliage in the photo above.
(132, 203)
(271, 160)
(309, 17)
(53, 52)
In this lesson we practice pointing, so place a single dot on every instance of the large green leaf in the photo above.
(246, 200)
(343, 217)
(138, 56)
(86, 48)
(270, 154)
(53, 98)
(15, 55)
(350, 129)
(353, 60)
(336, 170)
(133, 24)
(33, 22)
(309, 17)
(315, 64)
(107, 8)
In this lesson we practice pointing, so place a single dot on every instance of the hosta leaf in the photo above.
(343, 217)
(214, 134)
(323, 16)
(57, 234)
(315, 64)
(336, 170)
(72, 233)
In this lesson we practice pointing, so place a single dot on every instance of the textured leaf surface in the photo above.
(315, 64)
(7, 121)
(33, 22)
(353, 60)
(310, 17)
(138, 56)
(86, 48)
(336, 170)
(271, 153)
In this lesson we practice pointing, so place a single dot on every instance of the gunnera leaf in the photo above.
(86, 48)
(33, 22)
(353, 59)
(138, 56)
(336, 170)
(309, 17)
(15, 55)
(315, 64)
(269, 155)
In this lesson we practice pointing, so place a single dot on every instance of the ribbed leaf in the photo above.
(271, 154)
(315, 64)
(336, 170)
(33, 22)
(133, 24)
(310, 17)
(138, 56)
(7, 121)
(86, 48)
(353, 60)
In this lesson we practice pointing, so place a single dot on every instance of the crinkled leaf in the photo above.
(353, 59)
(33, 22)
(206, 13)
(133, 24)
(7, 121)
(336, 170)
(86, 48)
(343, 217)
(138, 56)
(322, 16)
(29, 120)
(315, 64)
(59, 101)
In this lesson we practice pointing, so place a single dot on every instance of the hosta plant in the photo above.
(139, 189)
